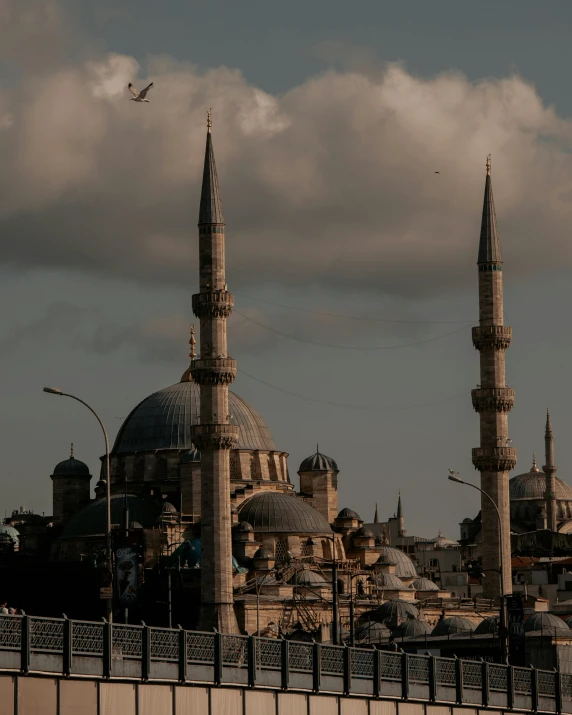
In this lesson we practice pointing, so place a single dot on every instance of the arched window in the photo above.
(252, 467)
(272, 469)
(234, 471)
(280, 551)
(161, 469)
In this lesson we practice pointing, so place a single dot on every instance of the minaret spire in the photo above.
(376, 515)
(493, 400)
(399, 508)
(549, 470)
(214, 437)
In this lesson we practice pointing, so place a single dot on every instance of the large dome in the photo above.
(532, 485)
(91, 520)
(276, 512)
(164, 419)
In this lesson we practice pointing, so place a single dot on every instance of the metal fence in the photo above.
(52, 645)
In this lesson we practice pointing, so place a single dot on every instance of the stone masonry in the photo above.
(493, 400)
(214, 437)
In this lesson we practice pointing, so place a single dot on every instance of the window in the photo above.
(280, 551)
(234, 471)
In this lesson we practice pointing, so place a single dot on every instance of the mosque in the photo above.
(194, 468)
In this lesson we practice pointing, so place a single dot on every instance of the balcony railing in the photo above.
(84, 648)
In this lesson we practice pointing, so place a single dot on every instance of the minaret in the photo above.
(214, 437)
(376, 515)
(493, 400)
(550, 470)
(400, 518)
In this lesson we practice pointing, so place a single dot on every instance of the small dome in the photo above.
(192, 456)
(390, 581)
(413, 628)
(424, 584)
(346, 513)
(135, 525)
(318, 463)
(373, 632)
(404, 566)
(544, 622)
(71, 468)
(169, 508)
(244, 526)
(263, 553)
(9, 533)
(307, 577)
(455, 624)
(568, 621)
(442, 542)
(266, 580)
(487, 626)
(364, 533)
(277, 512)
(395, 612)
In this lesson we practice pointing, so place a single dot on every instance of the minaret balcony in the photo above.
(214, 436)
(213, 371)
(493, 399)
(213, 304)
(495, 337)
(494, 459)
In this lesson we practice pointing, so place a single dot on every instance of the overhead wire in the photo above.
(355, 317)
(369, 408)
(349, 347)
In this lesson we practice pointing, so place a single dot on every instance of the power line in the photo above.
(370, 408)
(355, 317)
(349, 347)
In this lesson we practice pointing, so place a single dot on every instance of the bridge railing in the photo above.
(100, 649)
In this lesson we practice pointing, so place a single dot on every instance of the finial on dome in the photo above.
(317, 448)
(488, 164)
(534, 467)
(71, 451)
(209, 121)
(192, 342)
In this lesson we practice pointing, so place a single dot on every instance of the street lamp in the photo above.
(335, 616)
(55, 391)
(454, 477)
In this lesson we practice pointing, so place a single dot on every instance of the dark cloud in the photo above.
(330, 185)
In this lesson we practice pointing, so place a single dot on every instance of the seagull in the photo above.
(437, 172)
(453, 472)
(139, 96)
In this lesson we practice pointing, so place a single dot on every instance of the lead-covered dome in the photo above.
(532, 485)
(450, 626)
(71, 468)
(164, 420)
(277, 512)
(318, 463)
(424, 584)
(544, 622)
(404, 566)
(91, 520)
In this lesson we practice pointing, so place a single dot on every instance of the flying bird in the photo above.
(139, 96)
(437, 172)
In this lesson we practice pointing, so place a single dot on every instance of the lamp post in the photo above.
(454, 477)
(335, 608)
(55, 391)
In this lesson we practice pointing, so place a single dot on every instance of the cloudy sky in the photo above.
(352, 261)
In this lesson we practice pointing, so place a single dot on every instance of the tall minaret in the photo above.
(550, 470)
(214, 437)
(493, 400)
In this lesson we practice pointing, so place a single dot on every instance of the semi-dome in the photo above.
(404, 566)
(164, 420)
(318, 463)
(424, 584)
(389, 581)
(277, 512)
(91, 520)
(544, 622)
(412, 628)
(346, 513)
(71, 468)
(450, 626)
(488, 625)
